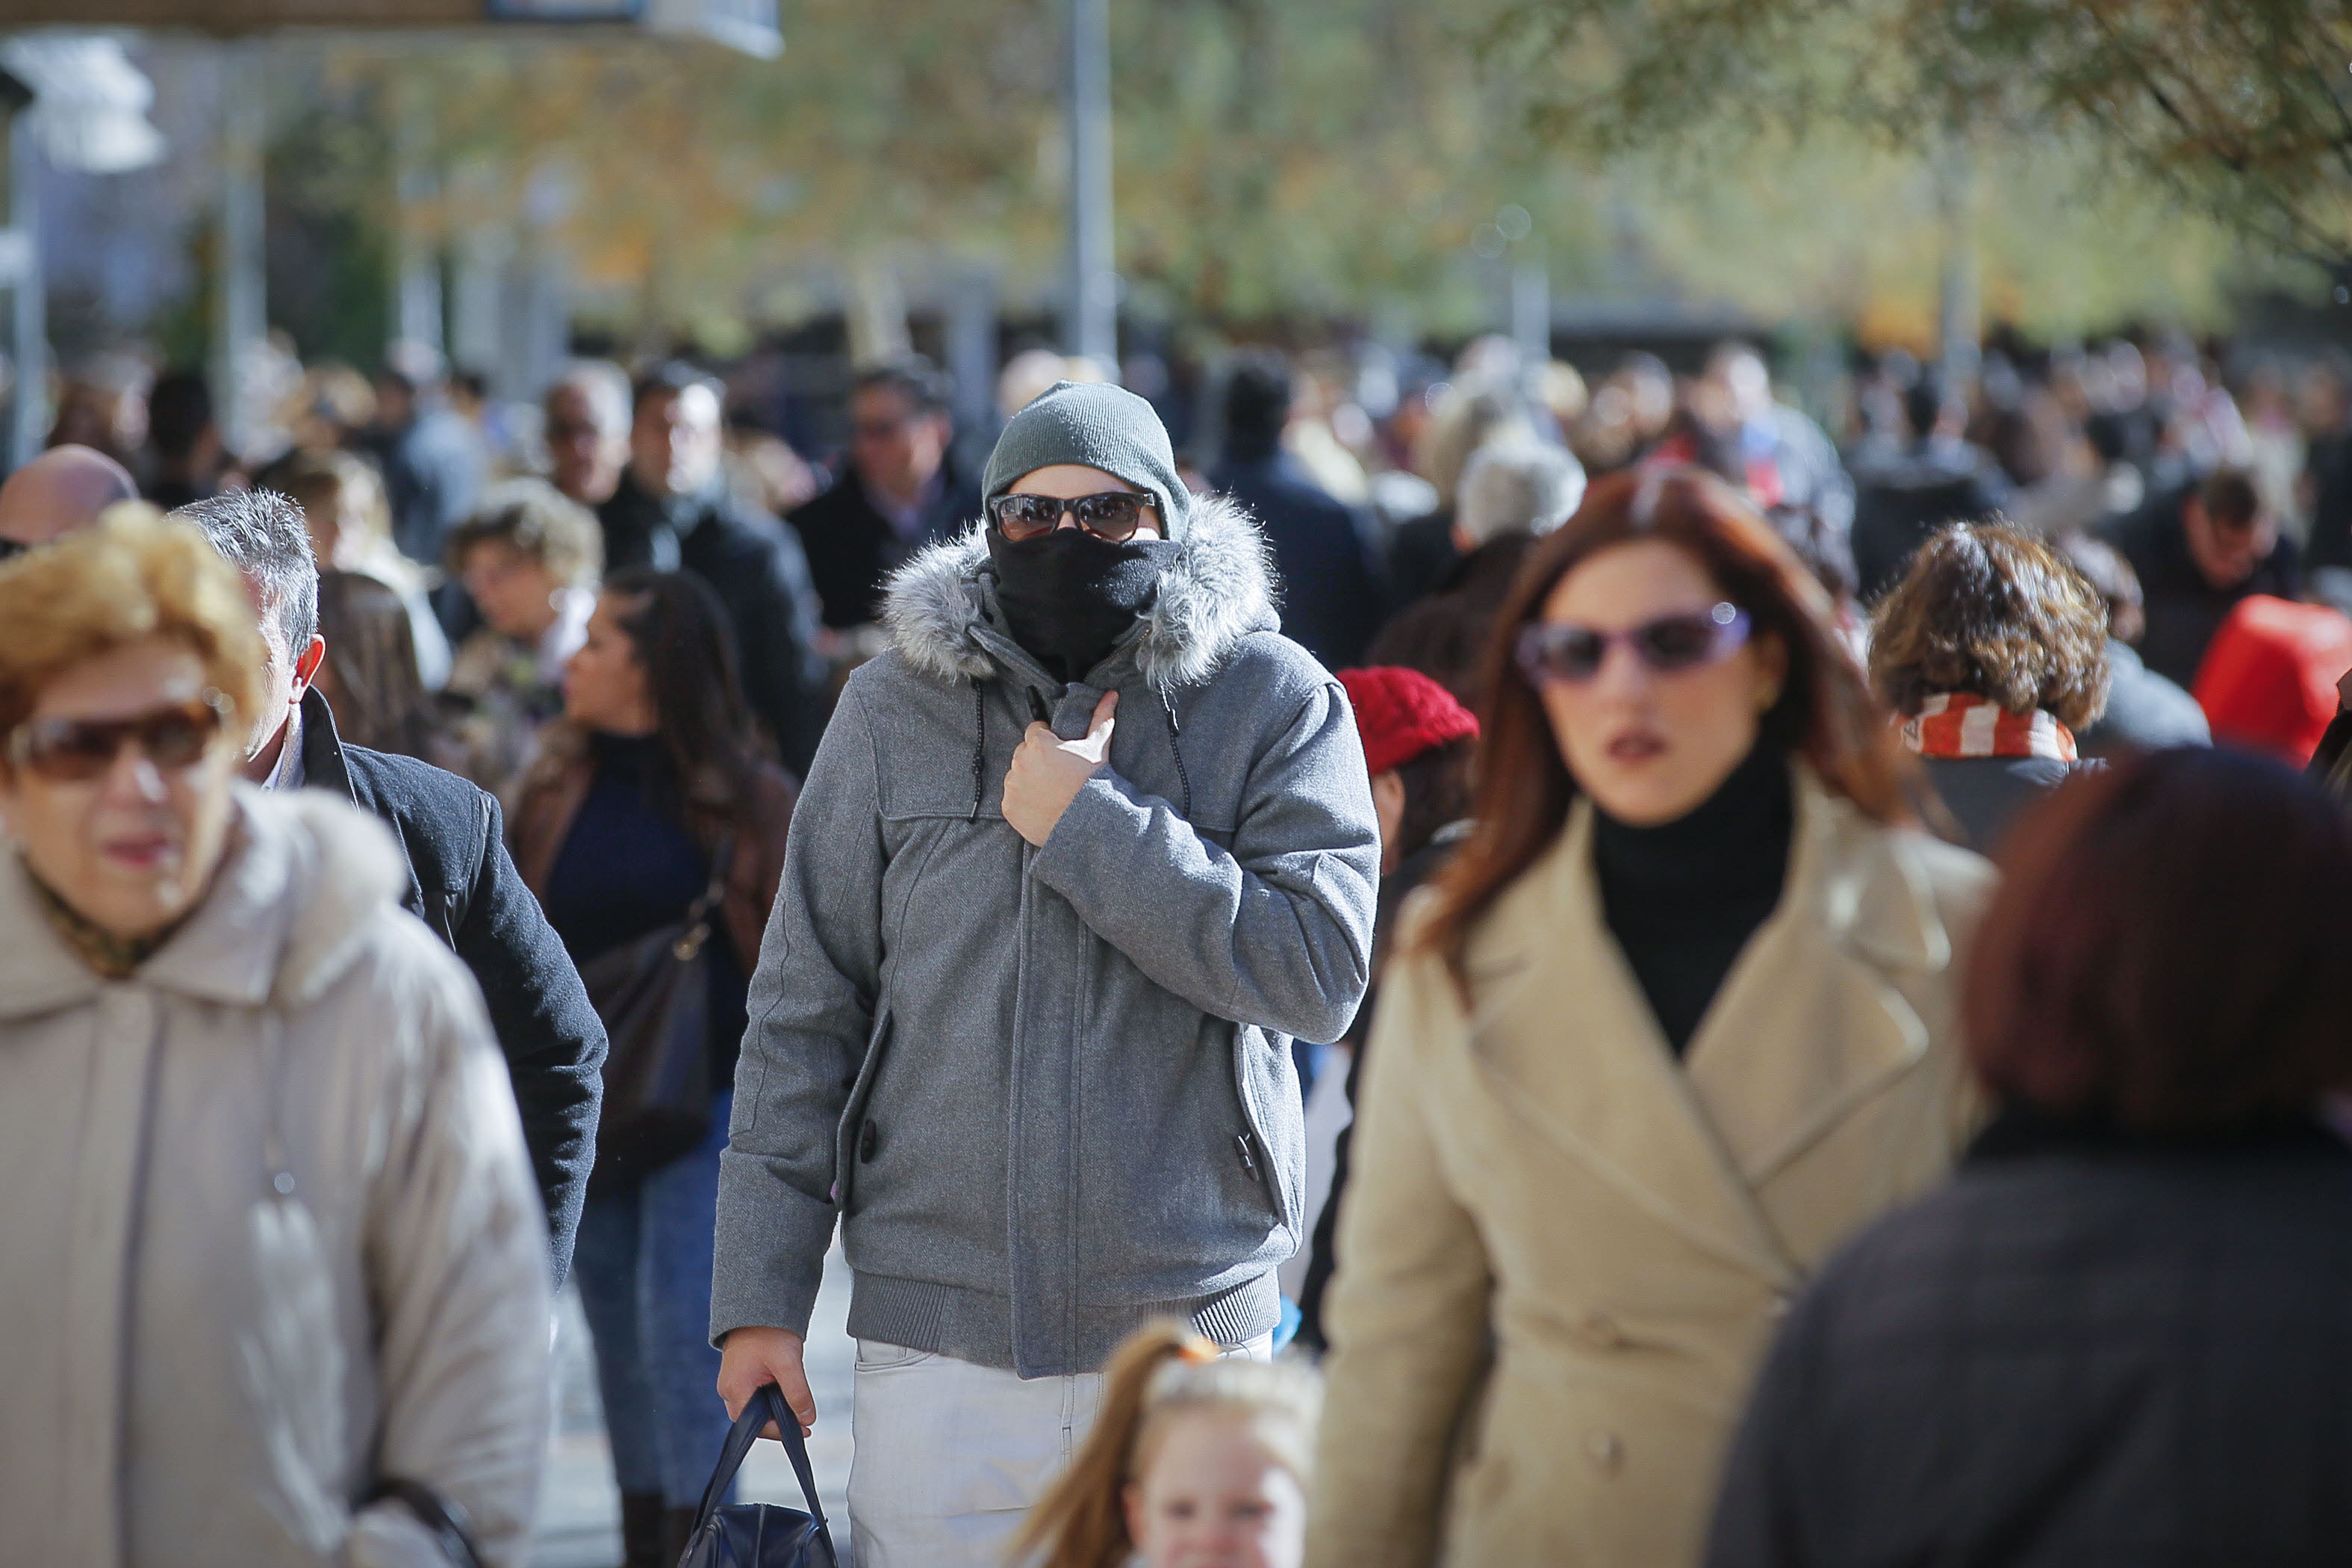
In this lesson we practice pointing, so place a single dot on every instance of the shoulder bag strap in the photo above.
(695, 927)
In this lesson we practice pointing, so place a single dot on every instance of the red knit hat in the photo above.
(1401, 713)
(2268, 681)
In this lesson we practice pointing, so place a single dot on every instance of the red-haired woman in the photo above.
(2123, 1332)
(1677, 1018)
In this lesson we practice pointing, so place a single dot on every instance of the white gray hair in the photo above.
(265, 535)
(1517, 486)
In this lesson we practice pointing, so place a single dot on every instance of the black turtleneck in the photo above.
(1683, 898)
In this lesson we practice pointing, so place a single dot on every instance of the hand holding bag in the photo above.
(759, 1534)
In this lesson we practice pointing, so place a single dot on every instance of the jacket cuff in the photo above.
(771, 1244)
(1103, 816)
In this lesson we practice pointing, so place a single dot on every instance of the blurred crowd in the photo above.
(1397, 491)
(1691, 715)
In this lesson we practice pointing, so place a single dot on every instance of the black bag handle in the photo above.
(766, 1405)
(448, 1523)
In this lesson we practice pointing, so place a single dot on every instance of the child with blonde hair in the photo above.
(1195, 1459)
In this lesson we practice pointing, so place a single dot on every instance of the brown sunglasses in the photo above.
(76, 751)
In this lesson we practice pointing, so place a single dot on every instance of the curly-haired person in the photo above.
(1992, 650)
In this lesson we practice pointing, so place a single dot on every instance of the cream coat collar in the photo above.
(1812, 1020)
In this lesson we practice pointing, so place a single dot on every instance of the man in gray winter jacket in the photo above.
(1075, 861)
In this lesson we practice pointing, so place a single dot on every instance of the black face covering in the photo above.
(1067, 595)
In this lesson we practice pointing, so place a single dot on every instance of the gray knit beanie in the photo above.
(1101, 427)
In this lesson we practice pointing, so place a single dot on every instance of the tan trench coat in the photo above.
(1563, 1252)
(269, 1232)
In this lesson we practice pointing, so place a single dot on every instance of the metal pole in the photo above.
(29, 411)
(972, 348)
(1532, 313)
(1958, 324)
(1090, 309)
(240, 303)
(416, 283)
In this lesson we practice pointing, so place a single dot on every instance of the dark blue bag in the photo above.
(759, 1534)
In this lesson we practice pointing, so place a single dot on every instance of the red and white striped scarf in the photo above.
(1962, 724)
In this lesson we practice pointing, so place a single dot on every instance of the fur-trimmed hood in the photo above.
(1219, 588)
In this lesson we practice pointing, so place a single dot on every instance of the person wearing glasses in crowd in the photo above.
(897, 493)
(273, 1283)
(1078, 857)
(1711, 973)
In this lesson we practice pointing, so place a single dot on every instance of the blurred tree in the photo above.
(1323, 158)
(2242, 108)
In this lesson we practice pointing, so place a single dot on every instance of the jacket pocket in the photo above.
(854, 1136)
(1272, 1134)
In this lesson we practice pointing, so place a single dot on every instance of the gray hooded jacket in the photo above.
(1049, 1092)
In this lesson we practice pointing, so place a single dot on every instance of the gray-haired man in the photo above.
(462, 882)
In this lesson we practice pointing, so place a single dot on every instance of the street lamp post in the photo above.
(240, 302)
(20, 273)
(1090, 306)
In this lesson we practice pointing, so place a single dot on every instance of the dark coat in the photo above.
(464, 885)
(2330, 471)
(1983, 793)
(2183, 609)
(434, 472)
(560, 782)
(1422, 558)
(755, 565)
(2084, 1351)
(1331, 601)
(2146, 712)
(1444, 635)
(1901, 499)
(851, 547)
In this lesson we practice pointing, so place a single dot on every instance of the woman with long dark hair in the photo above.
(1676, 1017)
(650, 795)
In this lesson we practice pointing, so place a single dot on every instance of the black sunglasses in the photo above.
(1574, 654)
(1112, 515)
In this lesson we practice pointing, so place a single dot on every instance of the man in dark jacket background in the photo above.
(462, 882)
(1331, 599)
(1904, 493)
(897, 492)
(672, 511)
(2196, 553)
